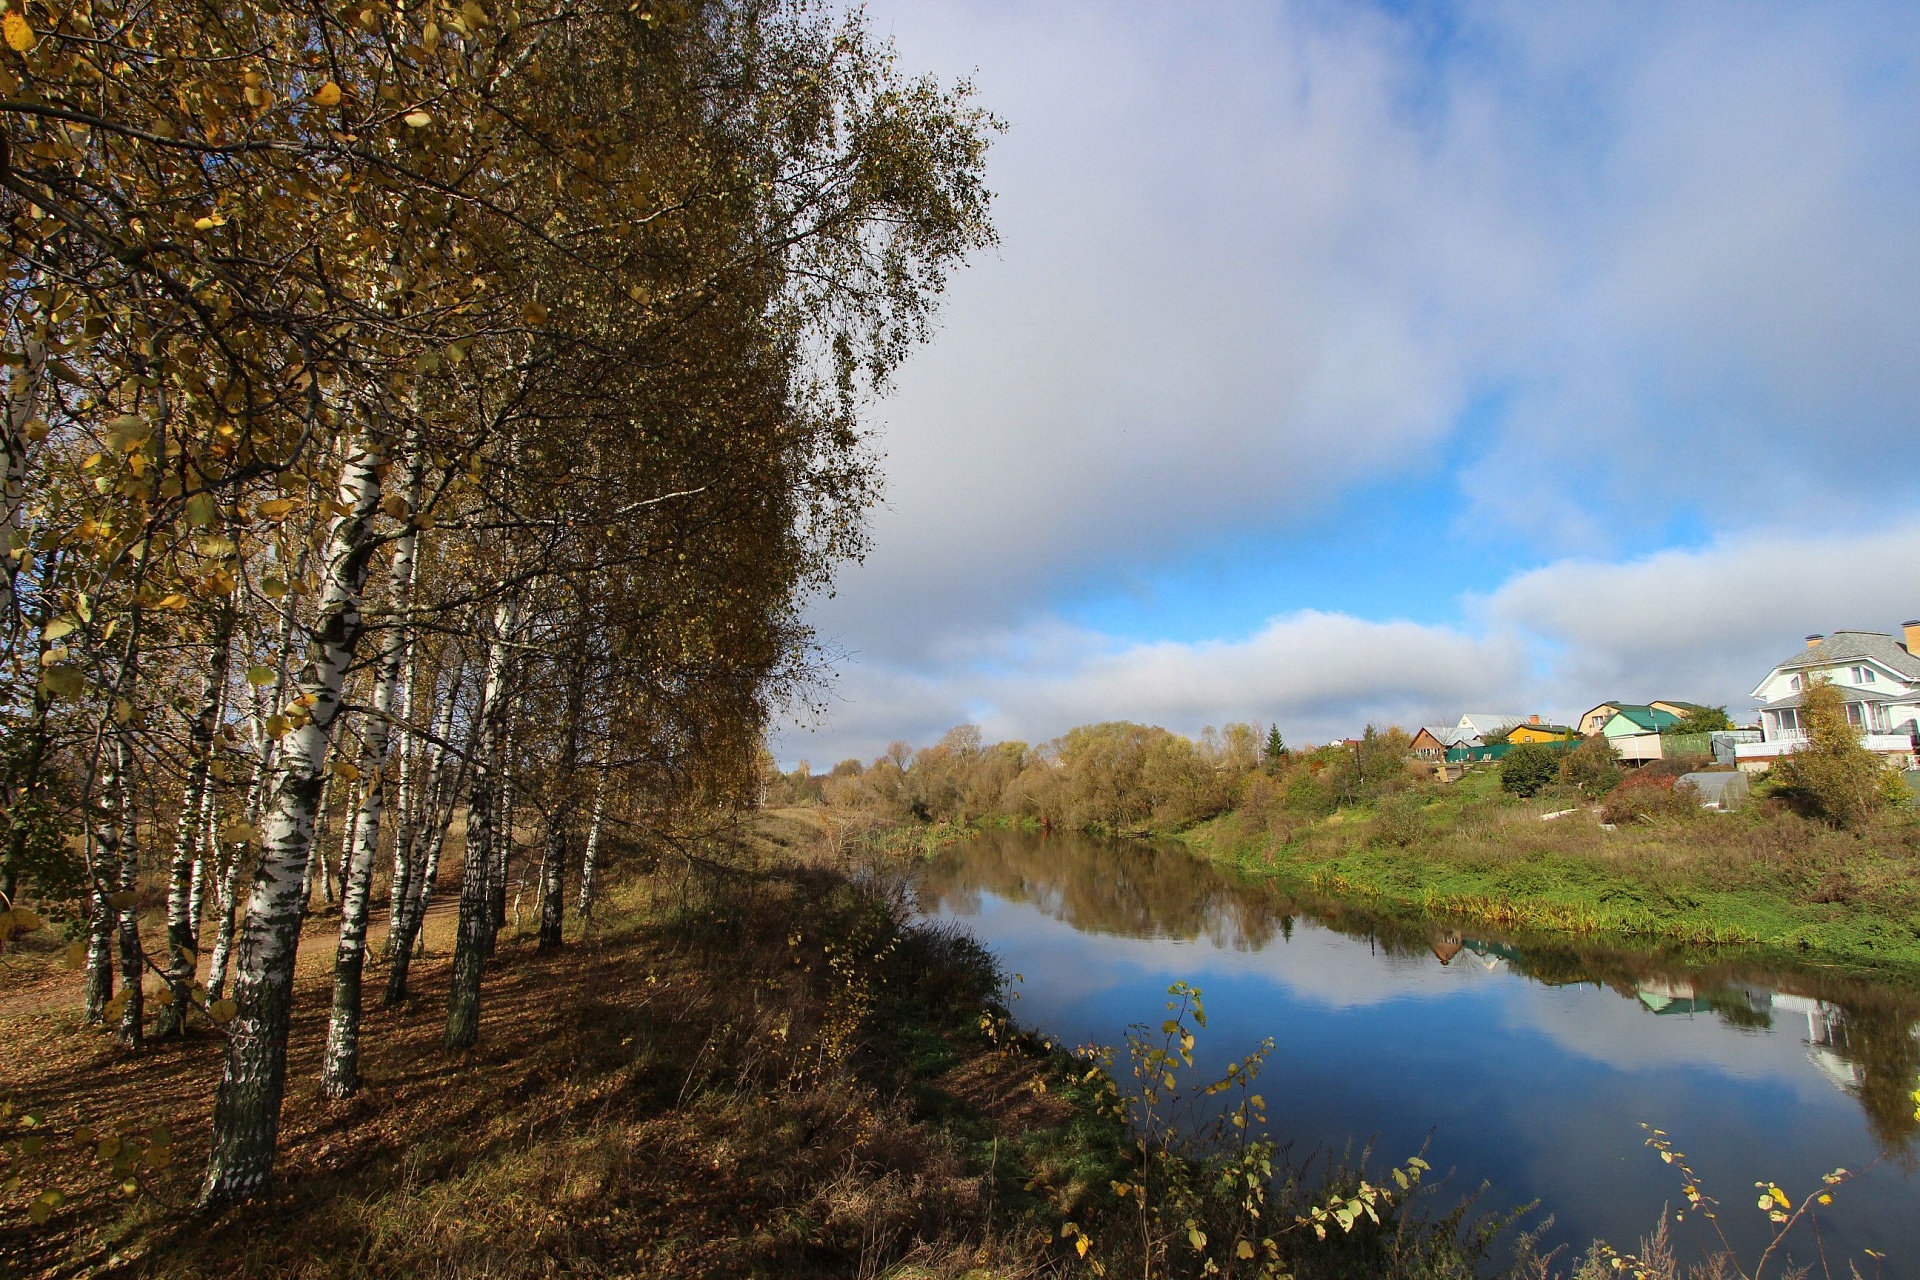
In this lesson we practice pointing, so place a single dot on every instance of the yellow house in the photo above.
(1534, 731)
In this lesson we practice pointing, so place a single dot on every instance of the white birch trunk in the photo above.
(339, 1066)
(422, 854)
(132, 957)
(183, 924)
(476, 898)
(204, 861)
(246, 1109)
(591, 857)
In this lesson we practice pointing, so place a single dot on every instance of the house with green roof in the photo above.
(1634, 732)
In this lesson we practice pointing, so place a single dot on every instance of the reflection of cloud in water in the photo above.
(1095, 917)
(1318, 965)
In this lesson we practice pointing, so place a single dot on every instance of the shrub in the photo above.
(1704, 720)
(1831, 775)
(1529, 767)
(1593, 767)
(1402, 819)
(1650, 797)
(1370, 768)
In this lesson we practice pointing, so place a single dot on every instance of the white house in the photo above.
(1484, 724)
(1877, 675)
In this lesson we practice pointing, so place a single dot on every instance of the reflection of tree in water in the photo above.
(1872, 1050)
(1129, 888)
(1864, 1036)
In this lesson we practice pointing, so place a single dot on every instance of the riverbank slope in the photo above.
(759, 1071)
(1757, 877)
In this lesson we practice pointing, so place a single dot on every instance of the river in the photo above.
(1529, 1065)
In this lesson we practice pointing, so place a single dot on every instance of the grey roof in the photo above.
(1448, 735)
(1852, 646)
(1847, 694)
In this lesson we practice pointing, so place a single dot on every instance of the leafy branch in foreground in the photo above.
(1199, 1200)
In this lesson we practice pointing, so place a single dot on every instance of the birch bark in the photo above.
(476, 892)
(592, 854)
(203, 862)
(409, 908)
(246, 1108)
(553, 854)
(183, 921)
(119, 789)
(340, 1066)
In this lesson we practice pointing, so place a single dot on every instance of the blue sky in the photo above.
(1345, 362)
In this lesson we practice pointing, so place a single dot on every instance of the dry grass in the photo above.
(765, 1074)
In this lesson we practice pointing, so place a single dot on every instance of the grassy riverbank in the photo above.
(1758, 877)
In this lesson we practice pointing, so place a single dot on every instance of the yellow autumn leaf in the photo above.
(327, 95)
(534, 313)
(342, 769)
(46, 1202)
(275, 508)
(222, 1011)
(19, 32)
(172, 600)
(417, 119)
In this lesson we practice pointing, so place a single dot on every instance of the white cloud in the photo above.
(1319, 675)
(1701, 625)
(1706, 625)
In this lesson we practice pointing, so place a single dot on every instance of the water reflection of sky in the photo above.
(1537, 1089)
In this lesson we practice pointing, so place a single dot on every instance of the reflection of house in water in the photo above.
(1738, 1004)
(1826, 1039)
(1669, 995)
(1491, 955)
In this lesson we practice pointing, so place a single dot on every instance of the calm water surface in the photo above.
(1527, 1066)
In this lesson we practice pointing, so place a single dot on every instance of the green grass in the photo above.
(1759, 878)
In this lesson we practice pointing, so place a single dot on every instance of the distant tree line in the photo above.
(1114, 777)
(1121, 777)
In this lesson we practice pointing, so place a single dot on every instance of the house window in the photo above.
(1856, 715)
(1794, 684)
(1861, 675)
(1788, 718)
